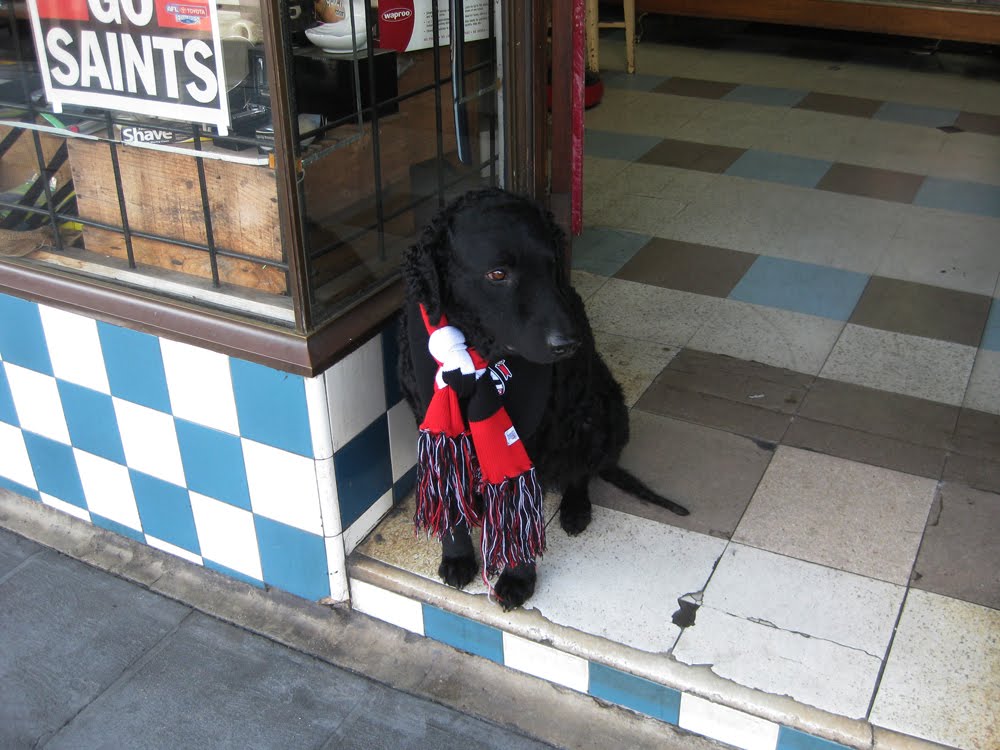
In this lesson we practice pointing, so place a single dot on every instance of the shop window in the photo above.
(253, 161)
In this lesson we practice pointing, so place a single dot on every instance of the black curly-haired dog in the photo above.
(493, 263)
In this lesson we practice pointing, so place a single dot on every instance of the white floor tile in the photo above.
(622, 577)
(984, 384)
(814, 600)
(634, 362)
(200, 385)
(942, 678)
(911, 365)
(356, 388)
(402, 439)
(108, 489)
(665, 316)
(388, 606)
(226, 535)
(726, 724)
(765, 334)
(847, 515)
(546, 662)
(36, 399)
(74, 348)
(636, 213)
(587, 284)
(282, 486)
(14, 461)
(149, 439)
(811, 670)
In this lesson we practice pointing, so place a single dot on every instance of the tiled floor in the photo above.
(792, 265)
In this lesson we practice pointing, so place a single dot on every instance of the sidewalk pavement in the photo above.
(91, 659)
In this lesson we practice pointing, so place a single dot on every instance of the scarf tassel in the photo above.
(513, 522)
(446, 474)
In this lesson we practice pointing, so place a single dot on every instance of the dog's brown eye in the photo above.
(497, 274)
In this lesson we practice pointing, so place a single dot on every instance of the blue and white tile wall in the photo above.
(269, 477)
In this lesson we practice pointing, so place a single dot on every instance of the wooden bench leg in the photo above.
(630, 35)
(590, 21)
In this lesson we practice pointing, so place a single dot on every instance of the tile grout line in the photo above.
(888, 651)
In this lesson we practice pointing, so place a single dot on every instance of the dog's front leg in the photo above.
(458, 558)
(575, 511)
(516, 585)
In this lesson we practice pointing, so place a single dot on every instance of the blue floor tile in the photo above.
(292, 559)
(991, 336)
(784, 168)
(364, 470)
(604, 251)
(90, 417)
(801, 287)
(622, 146)
(22, 338)
(633, 692)
(19, 489)
(213, 463)
(793, 739)
(617, 79)
(766, 95)
(957, 195)
(165, 511)
(8, 413)
(463, 633)
(931, 117)
(271, 406)
(55, 469)
(135, 366)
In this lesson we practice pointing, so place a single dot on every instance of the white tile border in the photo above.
(546, 662)
(727, 724)
(388, 606)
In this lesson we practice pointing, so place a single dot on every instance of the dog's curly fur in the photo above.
(584, 424)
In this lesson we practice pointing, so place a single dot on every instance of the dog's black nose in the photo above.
(560, 345)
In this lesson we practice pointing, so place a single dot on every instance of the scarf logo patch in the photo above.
(501, 374)
(511, 436)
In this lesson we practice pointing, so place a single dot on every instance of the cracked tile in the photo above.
(622, 578)
(810, 670)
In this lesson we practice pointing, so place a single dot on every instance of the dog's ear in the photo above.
(421, 269)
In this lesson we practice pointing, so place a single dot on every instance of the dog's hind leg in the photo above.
(575, 511)
(458, 558)
(516, 585)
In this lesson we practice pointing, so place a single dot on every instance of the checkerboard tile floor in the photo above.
(792, 267)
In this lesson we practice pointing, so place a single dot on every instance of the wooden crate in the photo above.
(163, 196)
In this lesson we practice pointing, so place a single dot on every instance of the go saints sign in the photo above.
(153, 57)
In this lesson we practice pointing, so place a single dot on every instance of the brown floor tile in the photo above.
(751, 383)
(977, 434)
(884, 184)
(864, 447)
(905, 418)
(695, 87)
(959, 552)
(711, 472)
(689, 267)
(978, 123)
(974, 472)
(702, 157)
(922, 310)
(839, 105)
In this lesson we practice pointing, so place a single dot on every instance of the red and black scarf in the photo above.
(458, 460)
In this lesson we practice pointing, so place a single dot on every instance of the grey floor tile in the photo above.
(67, 632)
(711, 472)
(839, 105)
(979, 473)
(979, 123)
(847, 515)
(702, 157)
(958, 555)
(14, 550)
(941, 679)
(694, 87)
(865, 447)
(687, 266)
(879, 412)
(922, 310)
(601, 250)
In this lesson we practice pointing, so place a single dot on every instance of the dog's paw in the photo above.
(515, 586)
(574, 518)
(458, 571)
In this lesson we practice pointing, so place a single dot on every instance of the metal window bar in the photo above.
(120, 190)
(206, 209)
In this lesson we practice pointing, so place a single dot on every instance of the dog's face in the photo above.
(502, 281)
